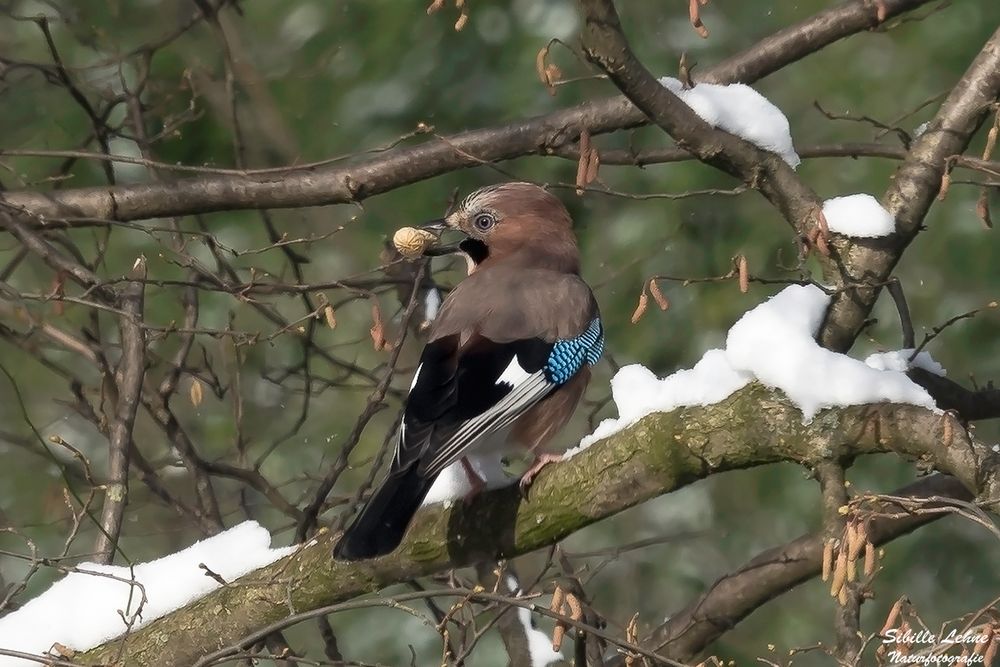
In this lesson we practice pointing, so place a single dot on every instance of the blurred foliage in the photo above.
(318, 79)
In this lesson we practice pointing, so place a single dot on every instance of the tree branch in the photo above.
(914, 186)
(128, 386)
(387, 170)
(512, 632)
(847, 611)
(851, 149)
(659, 454)
(15, 223)
(606, 46)
(970, 405)
(736, 595)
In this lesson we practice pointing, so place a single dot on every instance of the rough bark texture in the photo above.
(659, 454)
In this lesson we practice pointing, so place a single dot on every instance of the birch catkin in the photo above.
(641, 307)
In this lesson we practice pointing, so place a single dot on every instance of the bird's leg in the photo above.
(475, 481)
(541, 460)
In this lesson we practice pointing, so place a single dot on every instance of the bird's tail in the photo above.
(379, 527)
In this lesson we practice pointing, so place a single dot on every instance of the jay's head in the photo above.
(516, 222)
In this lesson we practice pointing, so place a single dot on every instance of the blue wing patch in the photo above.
(570, 354)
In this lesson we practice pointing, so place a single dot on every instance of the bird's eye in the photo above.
(484, 221)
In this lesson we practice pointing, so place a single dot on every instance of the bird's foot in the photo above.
(541, 461)
(476, 482)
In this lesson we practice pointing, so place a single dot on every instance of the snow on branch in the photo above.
(739, 109)
(903, 360)
(774, 344)
(860, 216)
(95, 603)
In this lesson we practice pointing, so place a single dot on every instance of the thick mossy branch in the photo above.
(659, 454)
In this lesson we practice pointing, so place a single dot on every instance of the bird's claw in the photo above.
(529, 475)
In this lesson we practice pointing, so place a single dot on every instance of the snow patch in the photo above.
(453, 483)
(539, 644)
(739, 109)
(638, 392)
(899, 360)
(775, 341)
(860, 216)
(774, 344)
(80, 611)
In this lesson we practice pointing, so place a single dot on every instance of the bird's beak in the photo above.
(438, 227)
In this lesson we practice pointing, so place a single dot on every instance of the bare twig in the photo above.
(128, 380)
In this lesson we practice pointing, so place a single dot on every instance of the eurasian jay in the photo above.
(507, 359)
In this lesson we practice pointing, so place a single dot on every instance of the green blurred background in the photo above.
(320, 79)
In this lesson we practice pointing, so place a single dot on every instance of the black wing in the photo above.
(461, 393)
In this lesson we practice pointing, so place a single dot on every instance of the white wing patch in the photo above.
(416, 376)
(513, 375)
(531, 388)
